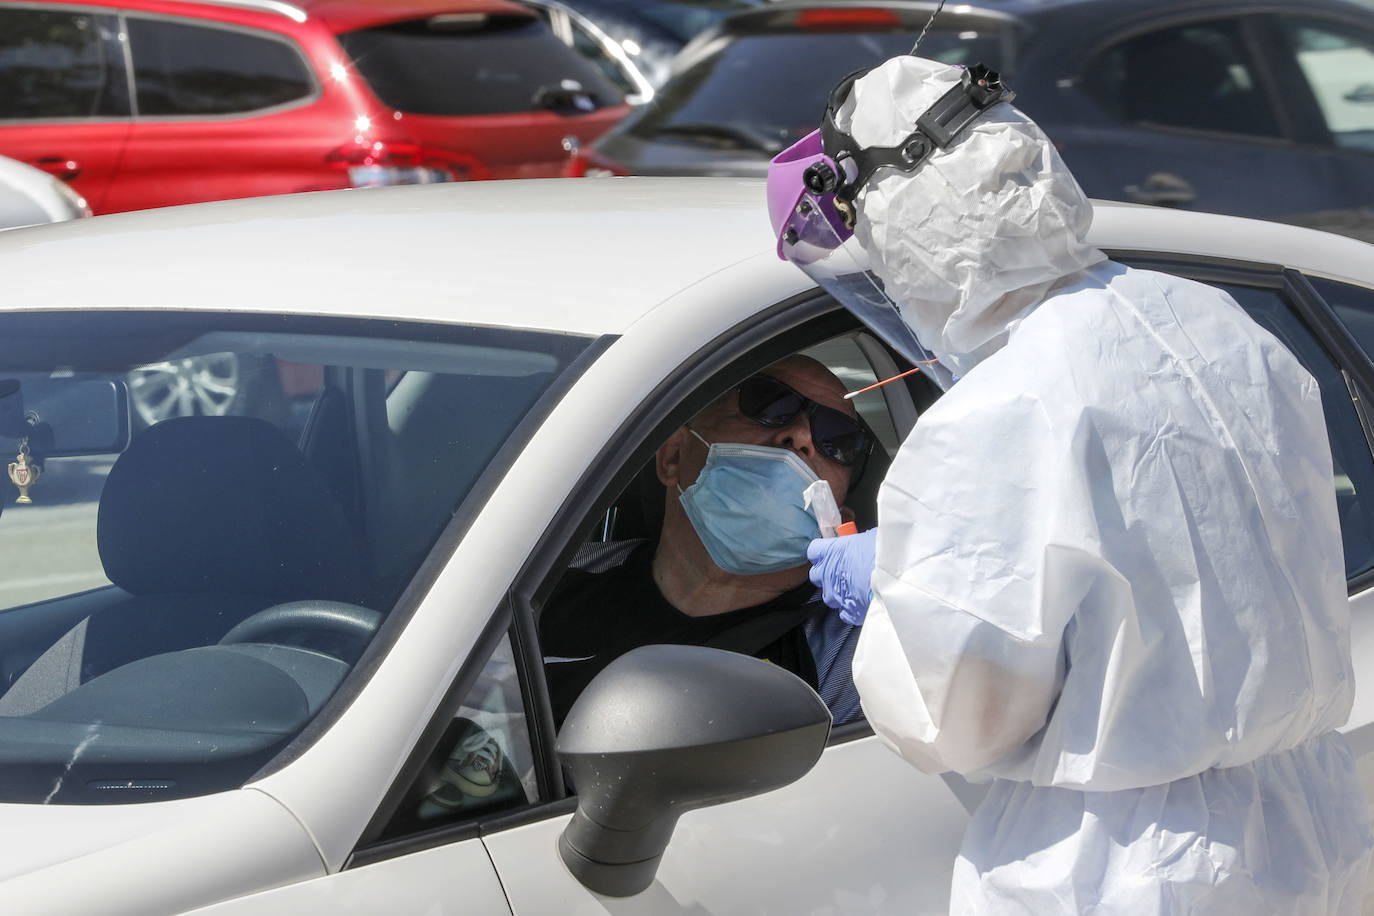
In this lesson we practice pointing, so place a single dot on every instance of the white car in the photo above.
(287, 662)
(30, 197)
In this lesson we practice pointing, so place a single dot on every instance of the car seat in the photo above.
(203, 521)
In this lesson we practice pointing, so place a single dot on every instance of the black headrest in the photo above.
(224, 505)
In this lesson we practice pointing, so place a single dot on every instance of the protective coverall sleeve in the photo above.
(985, 550)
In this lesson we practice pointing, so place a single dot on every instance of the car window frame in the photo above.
(130, 69)
(124, 63)
(768, 335)
(1253, 43)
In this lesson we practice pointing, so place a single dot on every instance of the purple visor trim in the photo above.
(787, 191)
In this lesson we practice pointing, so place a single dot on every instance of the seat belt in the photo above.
(749, 637)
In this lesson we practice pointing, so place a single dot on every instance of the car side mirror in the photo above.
(666, 729)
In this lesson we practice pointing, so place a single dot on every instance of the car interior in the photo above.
(178, 609)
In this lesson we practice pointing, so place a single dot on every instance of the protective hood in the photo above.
(972, 240)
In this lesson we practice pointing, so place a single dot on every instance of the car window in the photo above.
(476, 64)
(1198, 76)
(59, 64)
(186, 606)
(1338, 63)
(1350, 451)
(607, 599)
(752, 94)
(183, 69)
(483, 763)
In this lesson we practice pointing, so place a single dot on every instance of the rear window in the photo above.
(476, 64)
(765, 91)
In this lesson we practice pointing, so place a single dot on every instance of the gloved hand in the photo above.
(842, 568)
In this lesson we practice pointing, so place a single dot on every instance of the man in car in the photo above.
(729, 566)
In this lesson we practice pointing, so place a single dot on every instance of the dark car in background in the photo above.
(146, 103)
(1231, 106)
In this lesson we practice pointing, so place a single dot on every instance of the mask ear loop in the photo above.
(688, 427)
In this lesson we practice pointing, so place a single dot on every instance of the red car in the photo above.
(146, 103)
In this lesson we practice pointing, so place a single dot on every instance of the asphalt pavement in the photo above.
(48, 547)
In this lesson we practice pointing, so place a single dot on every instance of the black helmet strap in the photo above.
(950, 115)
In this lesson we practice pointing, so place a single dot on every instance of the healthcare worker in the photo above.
(1108, 570)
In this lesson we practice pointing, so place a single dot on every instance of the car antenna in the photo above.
(929, 23)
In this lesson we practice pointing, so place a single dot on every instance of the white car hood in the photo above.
(149, 858)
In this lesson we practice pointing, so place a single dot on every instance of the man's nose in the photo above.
(796, 436)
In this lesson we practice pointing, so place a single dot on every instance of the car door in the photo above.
(1329, 65)
(862, 832)
(1191, 117)
(64, 101)
(218, 115)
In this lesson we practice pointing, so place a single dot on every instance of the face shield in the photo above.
(834, 258)
(813, 186)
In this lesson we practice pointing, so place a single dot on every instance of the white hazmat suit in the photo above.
(1109, 569)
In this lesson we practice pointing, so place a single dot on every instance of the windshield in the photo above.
(481, 65)
(764, 92)
(173, 614)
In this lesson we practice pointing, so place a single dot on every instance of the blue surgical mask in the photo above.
(749, 508)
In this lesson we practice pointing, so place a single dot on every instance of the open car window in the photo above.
(172, 614)
(611, 564)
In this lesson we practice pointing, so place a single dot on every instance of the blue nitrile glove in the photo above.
(842, 568)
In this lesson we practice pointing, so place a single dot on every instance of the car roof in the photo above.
(1028, 11)
(336, 15)
(585, 256)
(347, 15)
(580, 255)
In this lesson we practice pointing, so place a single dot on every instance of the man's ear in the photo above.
(668, 459)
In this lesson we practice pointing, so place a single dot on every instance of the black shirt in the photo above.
(593, 618)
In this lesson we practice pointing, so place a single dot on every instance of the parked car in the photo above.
(145, 103)
(247, 673)
(1230, 106)
(30, 196)
(653, 31)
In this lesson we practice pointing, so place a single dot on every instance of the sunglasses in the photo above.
(836, 435)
